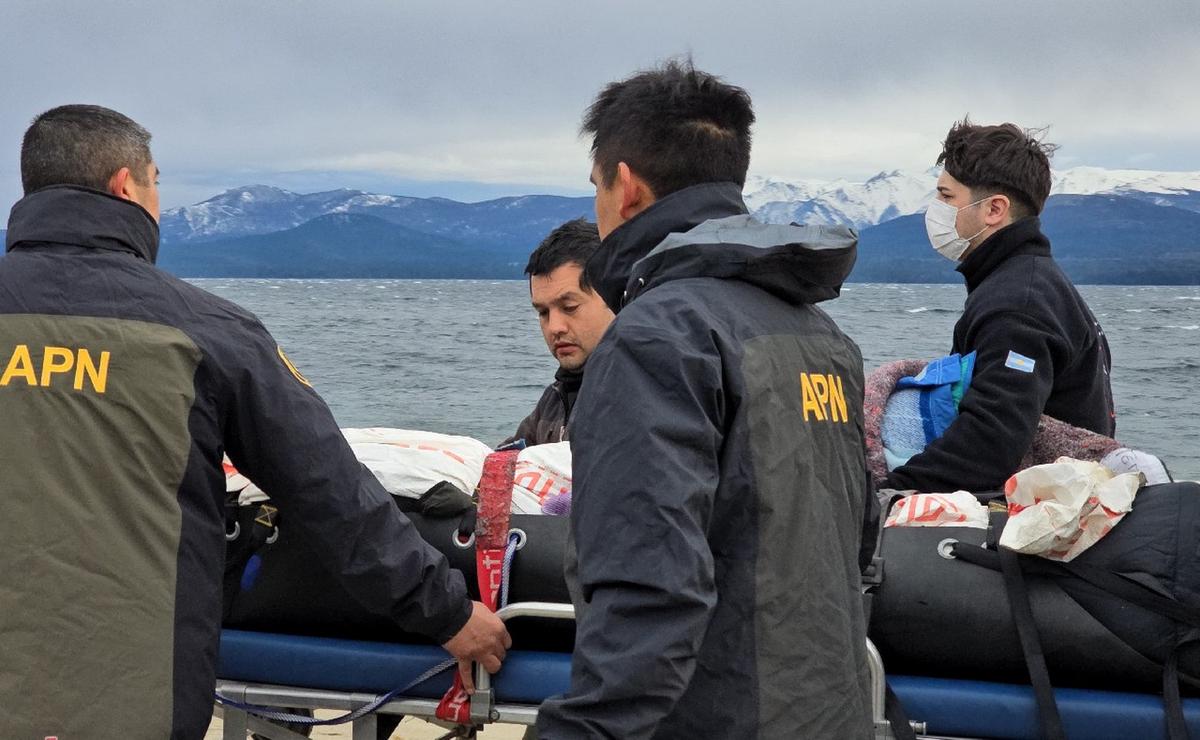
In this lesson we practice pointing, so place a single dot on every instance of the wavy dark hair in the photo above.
(1004, 159)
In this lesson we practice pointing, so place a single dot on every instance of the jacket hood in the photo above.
(83, 217)
(705, 231)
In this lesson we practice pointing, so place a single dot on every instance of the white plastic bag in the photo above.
(958, 509)
(541, 471)
(1060, 509)
(408, 463)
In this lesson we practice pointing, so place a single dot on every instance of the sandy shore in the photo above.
(409, 729)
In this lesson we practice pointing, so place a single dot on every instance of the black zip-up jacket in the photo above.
(121, 387)
(719, 486)
(548, 420)
(1040, 350)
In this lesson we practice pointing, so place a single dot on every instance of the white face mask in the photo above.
(941, 226)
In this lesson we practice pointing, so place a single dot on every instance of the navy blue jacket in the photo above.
(122, 387)
(718, 485)
(1040, 350)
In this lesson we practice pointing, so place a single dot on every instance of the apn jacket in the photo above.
(719, 485)
(121, 387)
(1040, 350)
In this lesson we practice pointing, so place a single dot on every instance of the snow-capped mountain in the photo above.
(889, 195)
(262, 209)
(523, 221)
(1096, 180)
(258, 209)
(760, 191)
(881, 198)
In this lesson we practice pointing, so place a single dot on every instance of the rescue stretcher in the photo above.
(278, 670)
(259, 664)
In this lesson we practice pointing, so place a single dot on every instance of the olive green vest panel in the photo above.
(94, 440)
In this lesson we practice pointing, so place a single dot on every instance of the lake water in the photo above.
(466, 357)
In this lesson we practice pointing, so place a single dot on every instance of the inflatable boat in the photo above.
(295, 639)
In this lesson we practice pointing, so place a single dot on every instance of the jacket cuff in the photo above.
(456, 623)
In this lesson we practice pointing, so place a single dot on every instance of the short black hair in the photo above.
(572, 243)
(674, 125)
(1006, 159)
(82, 145)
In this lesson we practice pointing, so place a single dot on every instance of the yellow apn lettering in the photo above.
(20, 365)
(824, 396)
(822, 390)
(98, 375)
(809, 398)
(837, 398)
(56, 360)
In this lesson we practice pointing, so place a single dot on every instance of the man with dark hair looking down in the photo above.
(718, 462)
(1039, 348)
(572, 318)
(121, 388)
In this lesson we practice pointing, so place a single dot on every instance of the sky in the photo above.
(473, 100)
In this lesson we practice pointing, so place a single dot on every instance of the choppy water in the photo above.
(466, 357)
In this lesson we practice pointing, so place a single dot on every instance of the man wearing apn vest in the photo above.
(1039, 348)
(718, 462)
(121, 387)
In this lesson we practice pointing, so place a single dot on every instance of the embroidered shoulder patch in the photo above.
(292, 368)
(1019, 362)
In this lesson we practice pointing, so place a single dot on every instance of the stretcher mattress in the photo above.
(996, 710)
(338, 664)
(947, 706)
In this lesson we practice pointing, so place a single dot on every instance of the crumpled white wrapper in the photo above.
(1060, 509)
(958, 509)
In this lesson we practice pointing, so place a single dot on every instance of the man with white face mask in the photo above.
(1039, 348)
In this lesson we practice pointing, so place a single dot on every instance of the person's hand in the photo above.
(483, 639)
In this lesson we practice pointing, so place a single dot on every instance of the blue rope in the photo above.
(301, 719)
(509, 552)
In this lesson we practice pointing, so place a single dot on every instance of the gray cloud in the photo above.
(330, 95)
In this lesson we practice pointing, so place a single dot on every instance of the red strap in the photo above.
(491, 538)
(495, 500)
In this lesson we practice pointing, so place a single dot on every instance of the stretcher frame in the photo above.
(1010, 707)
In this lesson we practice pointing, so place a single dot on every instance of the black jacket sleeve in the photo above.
(999, 413)
(646, 437)
(281, 435)
(543, 415)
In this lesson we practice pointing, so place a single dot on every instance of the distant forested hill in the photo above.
(1096, 238)
(339, 246)
(1101, 238)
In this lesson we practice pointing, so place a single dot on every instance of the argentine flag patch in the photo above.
(1019, 362)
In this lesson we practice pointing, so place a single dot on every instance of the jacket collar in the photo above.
(83, 217)
(610, 267)
(1020, 237)
(569, 380)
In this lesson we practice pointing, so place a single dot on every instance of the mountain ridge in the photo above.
(514, 220)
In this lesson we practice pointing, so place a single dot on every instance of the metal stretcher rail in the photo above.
(483, 702)
(269, 669)
(485, 706)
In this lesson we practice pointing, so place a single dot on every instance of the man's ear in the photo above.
(118, 184)
(999, 211)
(636, 195)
